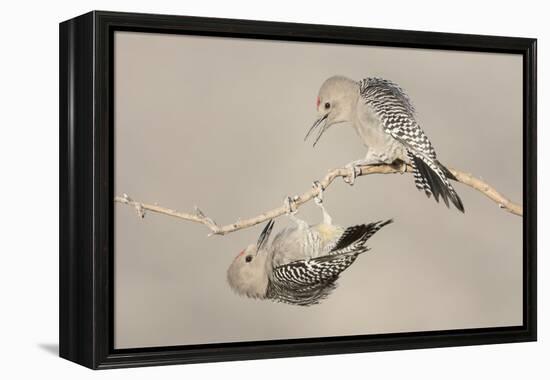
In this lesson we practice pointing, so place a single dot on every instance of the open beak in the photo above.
(320, 124)
(264, 236)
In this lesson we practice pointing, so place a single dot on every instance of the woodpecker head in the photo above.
(335, 104)
(247, 274)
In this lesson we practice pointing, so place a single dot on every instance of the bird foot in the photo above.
(403, 168)
(319, 202)
(291, 207)
(399, 165)
(353, 171)
(319, 197)
(292, 210)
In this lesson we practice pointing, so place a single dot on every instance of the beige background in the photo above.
(220, 123)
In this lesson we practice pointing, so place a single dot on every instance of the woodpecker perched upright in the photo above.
(384, 118)
(302, 263)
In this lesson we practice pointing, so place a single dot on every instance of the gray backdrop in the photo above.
(219, 123)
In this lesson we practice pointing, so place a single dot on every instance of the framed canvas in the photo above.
(218, 198)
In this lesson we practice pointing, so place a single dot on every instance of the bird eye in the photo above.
(327, 105)
(248, 258)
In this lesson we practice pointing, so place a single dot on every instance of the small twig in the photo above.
(298, 200)
(198, 217)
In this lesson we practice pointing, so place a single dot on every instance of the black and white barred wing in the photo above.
(394, 108)
(307, 282)
(396, 113)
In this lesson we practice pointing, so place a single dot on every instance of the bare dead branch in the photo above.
(298, 200)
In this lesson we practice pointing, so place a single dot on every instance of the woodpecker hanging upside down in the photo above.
(302, 263)
(384, 118)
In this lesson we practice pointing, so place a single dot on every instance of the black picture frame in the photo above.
(86, 189)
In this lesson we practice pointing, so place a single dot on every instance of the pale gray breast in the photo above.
(371, 131)
(287, 246)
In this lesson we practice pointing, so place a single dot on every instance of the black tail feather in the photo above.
(433, 178)
(446, 171)
(356, 236)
